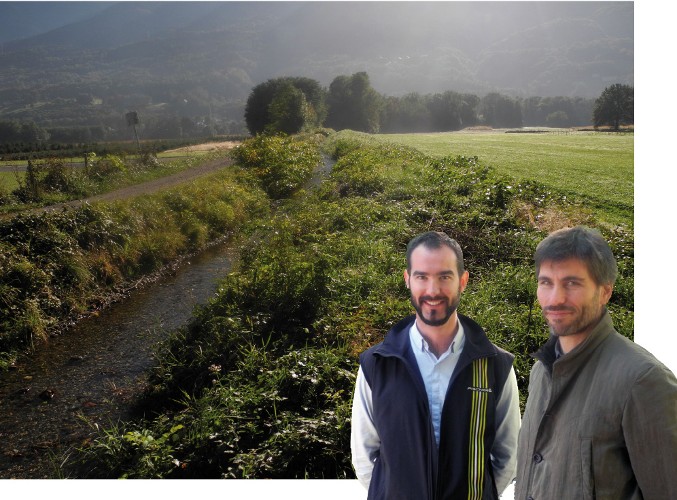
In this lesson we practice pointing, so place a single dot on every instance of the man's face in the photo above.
(571, 301)
(434, 284)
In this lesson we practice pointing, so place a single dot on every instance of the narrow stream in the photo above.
(91, 373)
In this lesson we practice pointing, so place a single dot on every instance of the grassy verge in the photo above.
(259, 384)
(52, 181)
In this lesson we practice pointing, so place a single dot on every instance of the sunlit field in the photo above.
(596, 165)
(8, 181)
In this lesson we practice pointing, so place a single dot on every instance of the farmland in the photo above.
(595, 167)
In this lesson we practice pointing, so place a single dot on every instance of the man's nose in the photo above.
(433, 287)
(558, 295)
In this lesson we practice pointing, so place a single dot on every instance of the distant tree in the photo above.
(501, 111)
(288, 112)
(469, 109)
(27, 132)
(547, 111)
(408, 113)
(453, 111)
(557, 119)
(354, 104)
(267, 101)
(615, 107)
(10, 131)
(445, 109)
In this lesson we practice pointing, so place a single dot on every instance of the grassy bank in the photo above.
(57, 266)
(259, 384)
(52, 180)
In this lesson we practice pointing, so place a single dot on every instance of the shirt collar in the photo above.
(418, 342)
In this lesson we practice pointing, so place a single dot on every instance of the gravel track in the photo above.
(147, 187)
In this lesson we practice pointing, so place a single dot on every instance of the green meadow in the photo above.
(599, 167)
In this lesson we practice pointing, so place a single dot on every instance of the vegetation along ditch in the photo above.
(53, 398)
(259, 382)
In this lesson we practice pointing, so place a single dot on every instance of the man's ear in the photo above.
(464, 280)
(406, 278)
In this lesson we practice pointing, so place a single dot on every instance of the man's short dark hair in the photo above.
(582, 243)
(434, 240)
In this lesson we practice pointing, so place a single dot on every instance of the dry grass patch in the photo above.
(550, 218)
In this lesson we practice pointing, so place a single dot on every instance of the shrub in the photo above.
(283, 164)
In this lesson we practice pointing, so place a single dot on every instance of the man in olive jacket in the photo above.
(601, 414)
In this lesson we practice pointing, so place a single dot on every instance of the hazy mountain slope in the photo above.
(208, 55)
(26, 19)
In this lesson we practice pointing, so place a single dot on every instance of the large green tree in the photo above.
(353, 104)
(408, 113)
(453, 111)
(615, 107)
(286, 104)
(288, 112)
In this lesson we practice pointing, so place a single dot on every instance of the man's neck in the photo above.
(439, 338)
(569, 342)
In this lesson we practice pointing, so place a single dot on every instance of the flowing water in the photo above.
(90, 374)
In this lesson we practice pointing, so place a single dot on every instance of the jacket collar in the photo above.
(547, 355)
(396, 342)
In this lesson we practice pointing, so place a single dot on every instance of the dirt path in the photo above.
(151, 186)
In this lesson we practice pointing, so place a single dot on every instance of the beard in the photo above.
(589, 315)
(435, 319)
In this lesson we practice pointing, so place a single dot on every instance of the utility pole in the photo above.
(132, 121)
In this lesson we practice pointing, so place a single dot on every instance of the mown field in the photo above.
(596, 167)
(259, 384)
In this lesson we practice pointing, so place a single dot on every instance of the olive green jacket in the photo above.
(600, 422)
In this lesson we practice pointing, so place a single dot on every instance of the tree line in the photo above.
(21, 136)
(295, 104)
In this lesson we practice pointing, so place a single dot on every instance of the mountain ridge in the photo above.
(223, 49)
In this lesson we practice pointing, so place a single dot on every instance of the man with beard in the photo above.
(601, 416)
(436, 406)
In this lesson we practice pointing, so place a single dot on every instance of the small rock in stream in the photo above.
(75, 360)
(47, 394)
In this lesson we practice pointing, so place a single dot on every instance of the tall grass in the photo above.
(56, 266)
(52, 180)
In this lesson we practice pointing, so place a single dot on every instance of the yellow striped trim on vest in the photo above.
(478, 421)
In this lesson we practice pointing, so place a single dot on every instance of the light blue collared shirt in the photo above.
(436, 372)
